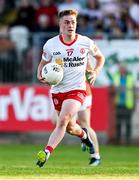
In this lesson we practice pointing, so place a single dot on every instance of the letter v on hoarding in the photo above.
(21, 105)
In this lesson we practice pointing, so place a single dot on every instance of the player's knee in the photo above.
(63, 121)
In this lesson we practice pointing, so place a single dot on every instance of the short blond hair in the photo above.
(67, 13)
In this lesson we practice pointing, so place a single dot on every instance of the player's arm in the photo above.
(39, 70)
(100, 59)
(45, 59)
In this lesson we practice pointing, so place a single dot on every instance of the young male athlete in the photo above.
(83, 118)
(70, 50)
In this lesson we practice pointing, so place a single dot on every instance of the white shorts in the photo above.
(87, 103)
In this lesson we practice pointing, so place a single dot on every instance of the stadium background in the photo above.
(25, 105)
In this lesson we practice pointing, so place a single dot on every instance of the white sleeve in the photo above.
(93, 48)
(46, 55)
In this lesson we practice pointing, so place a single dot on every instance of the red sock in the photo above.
(82, 134)
(49, 148)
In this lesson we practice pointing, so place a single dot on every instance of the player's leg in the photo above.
(75, 129)
(56, 117)
(84, 121)
(69, 108)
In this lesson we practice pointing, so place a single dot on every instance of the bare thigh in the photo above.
(70, 107)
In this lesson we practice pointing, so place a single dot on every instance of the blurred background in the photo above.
(26, 112)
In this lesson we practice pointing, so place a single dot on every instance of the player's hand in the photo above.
(92, 77)
(42, 80)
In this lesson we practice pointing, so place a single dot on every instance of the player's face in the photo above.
(68, 25)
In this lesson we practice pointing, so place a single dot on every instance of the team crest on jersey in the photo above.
(70, 51)
(59, 61)
(82, 50)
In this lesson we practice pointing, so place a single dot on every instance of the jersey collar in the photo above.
(68, 44)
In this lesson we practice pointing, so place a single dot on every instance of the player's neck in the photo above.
(68, 38)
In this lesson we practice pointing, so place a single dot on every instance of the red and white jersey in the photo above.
(73, 58)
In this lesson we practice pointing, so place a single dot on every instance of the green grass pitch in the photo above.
(68, 162)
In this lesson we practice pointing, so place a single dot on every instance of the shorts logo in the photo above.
(55, 101)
